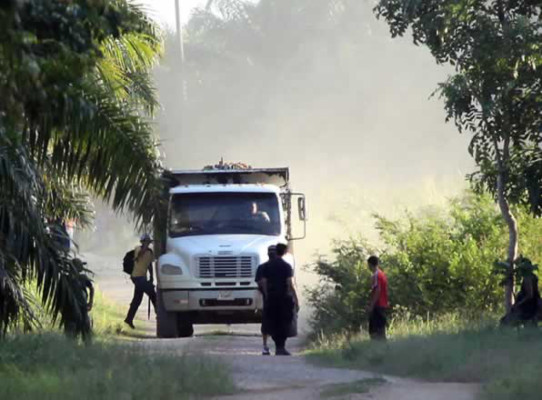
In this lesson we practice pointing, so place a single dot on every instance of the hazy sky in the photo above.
(164, 10)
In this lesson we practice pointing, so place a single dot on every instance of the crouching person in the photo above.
(527, 309)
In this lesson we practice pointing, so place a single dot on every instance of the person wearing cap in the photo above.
(271, 253)
(143, 258)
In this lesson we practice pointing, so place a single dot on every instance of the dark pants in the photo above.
(377, 323)
(526, 314)
(279, 312)
(141, 286)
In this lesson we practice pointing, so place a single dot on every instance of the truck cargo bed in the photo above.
(273, 176)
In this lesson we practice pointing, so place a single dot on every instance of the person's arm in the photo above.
(263, 283)
(291, 286)
(151, 273)
(91, 295)
(375, 293)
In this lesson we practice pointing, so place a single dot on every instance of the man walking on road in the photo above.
(272, 254)
(379, 300)
(281, 299)
(143, 258)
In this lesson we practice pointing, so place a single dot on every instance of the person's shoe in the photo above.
(265, 351)
(129, 323)
(282, 352)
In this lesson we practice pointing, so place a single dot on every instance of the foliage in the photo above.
(437, 262)
(339, 302)
(496, 92)
(75, 89)
(51, 367)
(265, 54)
(477, 353)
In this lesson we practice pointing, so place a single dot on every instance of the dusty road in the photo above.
(293, 378)
(270, 377)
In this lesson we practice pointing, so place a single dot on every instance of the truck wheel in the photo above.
(166, 322)
(185, 328)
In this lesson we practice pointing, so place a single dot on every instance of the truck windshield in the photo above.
(224, 213)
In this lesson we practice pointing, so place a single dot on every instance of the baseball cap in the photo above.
(145, 238)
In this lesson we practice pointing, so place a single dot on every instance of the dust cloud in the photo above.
(318, 86)
(326, 92)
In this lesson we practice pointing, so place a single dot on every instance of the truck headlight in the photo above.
(168, 269)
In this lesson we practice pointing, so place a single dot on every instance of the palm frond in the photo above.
(106, 147)
(66, 199)
(125, 68)
(73, 94)
(27, 249)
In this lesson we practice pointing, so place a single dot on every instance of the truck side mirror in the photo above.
(301, 208)
(301, 212)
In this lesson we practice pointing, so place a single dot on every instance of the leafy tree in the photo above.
(244, 50)
(340, 301)
(495, 93)
(76, 94)
(439, 261)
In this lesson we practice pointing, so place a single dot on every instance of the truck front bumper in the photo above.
(228, 306)
(230, 299)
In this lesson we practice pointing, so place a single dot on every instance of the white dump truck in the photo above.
(218, 227)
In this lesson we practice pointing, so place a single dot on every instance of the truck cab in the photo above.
(219, 225)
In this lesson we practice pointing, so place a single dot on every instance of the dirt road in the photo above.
(270, 377)
(284, 378)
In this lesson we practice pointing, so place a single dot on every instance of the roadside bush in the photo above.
(340, 300)
(438, 262)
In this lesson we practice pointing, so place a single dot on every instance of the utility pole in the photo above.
(182, 70)
(179, 27)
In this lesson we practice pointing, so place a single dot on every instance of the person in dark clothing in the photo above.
(271, 253)
(60, 234)
(528, 305)
(379, 300)
(87, 291)
(281, 299)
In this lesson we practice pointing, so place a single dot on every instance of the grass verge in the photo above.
(107, 319)
(48, 367)
(506, 361)
(342, 389)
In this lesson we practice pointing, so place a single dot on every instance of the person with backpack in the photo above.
(143, 258)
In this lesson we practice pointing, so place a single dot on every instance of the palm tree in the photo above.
(77, 95)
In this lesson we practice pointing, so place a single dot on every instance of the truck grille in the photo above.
(225, 267)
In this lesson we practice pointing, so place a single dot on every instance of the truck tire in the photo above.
(166, 322)
(185, 327)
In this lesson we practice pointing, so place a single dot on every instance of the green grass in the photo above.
(507, 362)
(107, 319)
(46, 365)
(342, 389)
(51, 367)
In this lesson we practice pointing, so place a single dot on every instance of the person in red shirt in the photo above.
(379, 300)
